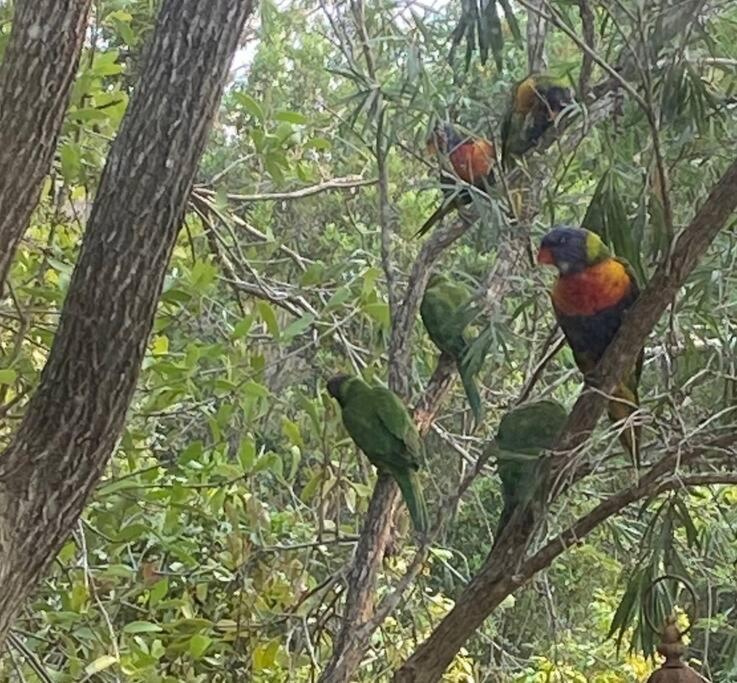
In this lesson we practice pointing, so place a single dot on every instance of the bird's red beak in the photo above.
(545, 257)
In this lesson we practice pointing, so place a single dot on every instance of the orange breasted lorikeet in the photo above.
(465, 157)
(446, 312)
(535, 103)
(590, 297)
(381, 427)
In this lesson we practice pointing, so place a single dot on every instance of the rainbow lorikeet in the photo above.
(381, 427)
(446, 313)
(535, 103)
(465, 157)
(523, 434)
(590, 297)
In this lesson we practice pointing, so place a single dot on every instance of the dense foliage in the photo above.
(217, 545)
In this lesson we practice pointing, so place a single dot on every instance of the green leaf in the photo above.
(247, 454)
(192, 452)
(310, 488)
(70, 155)
(340, 296)
(379, 311)
(8, 376)
(269, 317)
(264, 656)
(132, 532)
(298, 326)
(291, 431)
(256, 390)
(88, 114)
(318, 143)
(203, 274)
(105, 64)
(158, 591)
(160, 345)
(142, 627)
(291, 117)
(198, 645)
(250, 105)
(242, 328)
(100, 664)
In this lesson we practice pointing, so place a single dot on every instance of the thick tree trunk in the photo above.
(36, 79)
(78, 411)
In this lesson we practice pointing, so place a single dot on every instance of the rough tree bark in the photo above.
(76, 415)
(36, 79)
(502, 572)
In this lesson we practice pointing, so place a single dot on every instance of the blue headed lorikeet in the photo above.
(445, 312)
(535, 103)
(523, 434)
(465, 157)
(381, 427)
(590, 297)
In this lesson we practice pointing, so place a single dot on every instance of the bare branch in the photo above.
(537, 28)
(344, 183)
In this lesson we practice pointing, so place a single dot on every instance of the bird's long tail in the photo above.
(441, 212)
(409, 484)
(469, 386)
(526, 522)
(621, 409)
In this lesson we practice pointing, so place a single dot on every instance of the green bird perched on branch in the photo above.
(446, 312)
(523, 434)
(381, 427)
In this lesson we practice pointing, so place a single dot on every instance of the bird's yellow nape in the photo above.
(596, 250)
(526, 95)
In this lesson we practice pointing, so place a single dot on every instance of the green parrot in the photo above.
(445, 313)
(523, 434)
(534, 104)
(381, 427)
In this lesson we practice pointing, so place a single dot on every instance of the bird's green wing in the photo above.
(444, 313)
(523, 434)
(531, 428)
(394, 417)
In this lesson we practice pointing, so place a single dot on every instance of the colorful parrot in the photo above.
(381, 427)
(445, 312)
(523, 434)
(590, 296)
(535, 103)
(465, 157)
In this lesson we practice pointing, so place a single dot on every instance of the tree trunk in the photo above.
(36, 79)
(74, 419)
